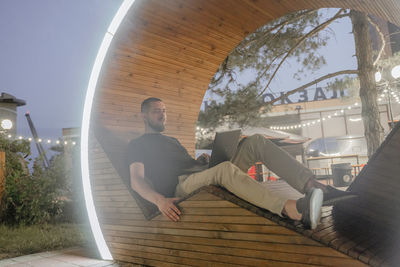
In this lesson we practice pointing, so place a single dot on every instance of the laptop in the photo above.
(224, 146)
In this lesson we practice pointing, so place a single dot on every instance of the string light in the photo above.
(314, 122)
(40, 140)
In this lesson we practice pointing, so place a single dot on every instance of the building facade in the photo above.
(8, 113)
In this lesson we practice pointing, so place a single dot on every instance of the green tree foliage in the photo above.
(264, 49)
(241, 107)
(352, 83)
(295, 36)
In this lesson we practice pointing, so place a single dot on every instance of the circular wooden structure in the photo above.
(171, 50)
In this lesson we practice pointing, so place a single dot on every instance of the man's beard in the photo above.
(156, 127)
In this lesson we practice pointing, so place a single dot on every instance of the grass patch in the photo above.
(23, 240)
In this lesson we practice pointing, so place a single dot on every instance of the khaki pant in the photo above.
(233, 175)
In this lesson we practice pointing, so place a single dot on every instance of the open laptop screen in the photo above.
(224, 146)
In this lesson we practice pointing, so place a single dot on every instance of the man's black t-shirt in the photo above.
(164, 159)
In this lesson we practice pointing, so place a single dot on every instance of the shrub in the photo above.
(31, 199)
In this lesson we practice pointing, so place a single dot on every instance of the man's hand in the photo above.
(165, 205)
(204, 158)
(167, 208)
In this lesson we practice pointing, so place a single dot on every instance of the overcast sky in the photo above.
(48, 48)
(47, 51)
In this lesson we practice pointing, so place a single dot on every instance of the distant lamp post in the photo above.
(396, 72)
(378, 77)
(388, 89)
(6, 124)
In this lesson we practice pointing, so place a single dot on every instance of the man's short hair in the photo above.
(146, 103)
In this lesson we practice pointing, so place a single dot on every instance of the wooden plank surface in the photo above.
(182, 43)
(211, 231)
(171, 49)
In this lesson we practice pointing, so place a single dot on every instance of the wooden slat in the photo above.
(116, 204)
(256, 245)
(171, 49)
(143, 261)
(221, 227)
(263, 255)
(211, 234)
(153, 256)
(126, 214)
(198, 258)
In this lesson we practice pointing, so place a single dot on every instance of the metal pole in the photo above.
(39, 147)
(322, 125)
(390, 107)
(345, 122)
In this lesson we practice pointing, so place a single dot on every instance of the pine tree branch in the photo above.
(223, 68)
(280, 25)
(382, 36)
(268, 67)
(309, 34)
(393, 33)
(312, 83)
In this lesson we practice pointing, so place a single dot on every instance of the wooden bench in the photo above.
(171, 49)
(218, 228)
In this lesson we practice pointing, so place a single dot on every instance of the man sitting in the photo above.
(162, 171)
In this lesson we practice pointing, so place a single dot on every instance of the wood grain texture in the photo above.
(212, 230)
(171, 49)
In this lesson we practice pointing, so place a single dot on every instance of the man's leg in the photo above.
(257, 148)
(236, 181)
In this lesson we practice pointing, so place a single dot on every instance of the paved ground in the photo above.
(70, 257)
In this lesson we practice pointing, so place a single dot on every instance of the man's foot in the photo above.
(333, 195)
(310, 207)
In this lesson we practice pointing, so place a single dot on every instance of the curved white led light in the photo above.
(94, 223)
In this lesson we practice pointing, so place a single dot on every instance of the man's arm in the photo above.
(165, 205)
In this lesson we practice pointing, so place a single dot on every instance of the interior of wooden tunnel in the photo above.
(171, 50)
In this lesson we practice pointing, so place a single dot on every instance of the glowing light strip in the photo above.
(94, 223)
